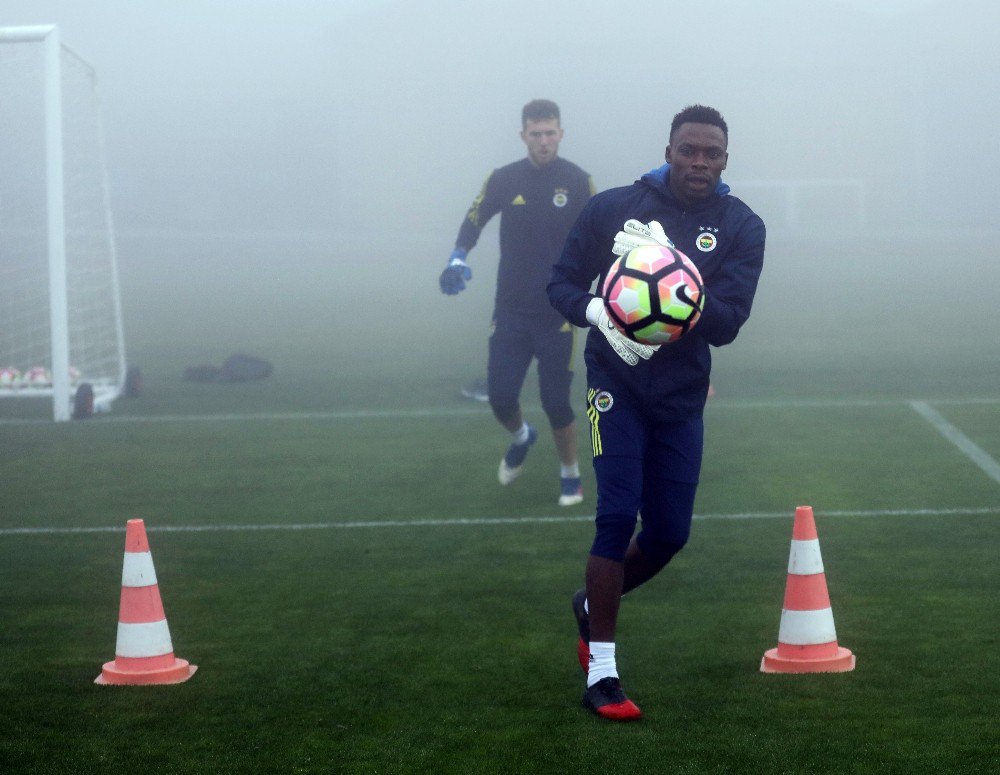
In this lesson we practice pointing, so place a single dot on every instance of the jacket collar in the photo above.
(659, 178)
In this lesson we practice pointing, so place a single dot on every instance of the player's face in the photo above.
(697, 156)
(542, 139)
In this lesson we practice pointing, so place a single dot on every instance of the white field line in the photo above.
(968, 447)
(397, 414)
(485, 521)
(358, 414)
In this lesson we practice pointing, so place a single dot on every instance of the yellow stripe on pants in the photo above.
(594, 416)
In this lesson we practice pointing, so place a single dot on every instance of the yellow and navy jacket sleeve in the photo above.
(486, 204)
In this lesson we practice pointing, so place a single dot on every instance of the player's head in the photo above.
(541, 131)
(697, 152)
(539, 110)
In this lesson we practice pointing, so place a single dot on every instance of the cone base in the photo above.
(177, 673)
(843, 662)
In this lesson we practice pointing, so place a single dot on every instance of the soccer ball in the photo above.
(9, 377)
(654, 294)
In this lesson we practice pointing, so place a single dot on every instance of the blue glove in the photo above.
(456, 274)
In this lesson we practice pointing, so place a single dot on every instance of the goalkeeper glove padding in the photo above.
(634, 234)
(627, 349)
(456, 274)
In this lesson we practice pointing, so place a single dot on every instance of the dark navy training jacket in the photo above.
(725, 240)
(537, 207)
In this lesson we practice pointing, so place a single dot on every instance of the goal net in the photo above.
(60, 312)
(814, 206)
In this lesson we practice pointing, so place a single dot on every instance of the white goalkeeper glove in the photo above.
(635, 234)
(628, 350)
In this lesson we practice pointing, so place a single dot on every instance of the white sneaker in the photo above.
(506, 474)
(570, 491)
(476, 390)
(513, 460)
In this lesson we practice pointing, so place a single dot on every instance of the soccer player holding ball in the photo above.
(539, 198)
(645, 401)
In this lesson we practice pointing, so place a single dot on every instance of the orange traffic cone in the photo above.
(807, 640)
(143, 652)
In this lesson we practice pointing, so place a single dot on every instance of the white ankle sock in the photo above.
(570, 472)
(520, 436)
(602, 662)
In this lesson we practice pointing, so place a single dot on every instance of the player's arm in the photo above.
(585, 256)
(579, 264)
(583, 259)
(730, 290)
(486, 204)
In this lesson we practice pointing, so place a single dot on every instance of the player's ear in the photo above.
(666, 154)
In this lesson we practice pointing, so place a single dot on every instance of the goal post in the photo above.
(60, 310)
(806, 205)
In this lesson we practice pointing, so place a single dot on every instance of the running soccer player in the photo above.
(645, 403)
(538, 198)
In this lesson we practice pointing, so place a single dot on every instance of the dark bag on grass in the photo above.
(204, 372)
(243, 368)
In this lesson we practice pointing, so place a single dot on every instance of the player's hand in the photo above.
(456, 274)
(634, 234)
(628, 350)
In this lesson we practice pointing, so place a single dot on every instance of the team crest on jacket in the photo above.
(603, 401)
(561, 197)
(706, 240)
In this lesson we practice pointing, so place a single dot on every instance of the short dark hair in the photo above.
(539, 110)
(699, 114)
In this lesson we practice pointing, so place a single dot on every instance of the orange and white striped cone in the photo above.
(144, 654)
(807, 639)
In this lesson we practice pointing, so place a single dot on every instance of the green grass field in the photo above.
(360, 595)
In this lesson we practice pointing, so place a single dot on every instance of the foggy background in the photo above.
(274, 150)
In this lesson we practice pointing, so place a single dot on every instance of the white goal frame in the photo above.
(61, 390)
(786, 206)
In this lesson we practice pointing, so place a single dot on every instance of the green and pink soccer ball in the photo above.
(654, 294)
